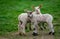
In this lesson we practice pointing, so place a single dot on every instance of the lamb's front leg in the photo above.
(35, 32)
(42, 27)
(21, 28)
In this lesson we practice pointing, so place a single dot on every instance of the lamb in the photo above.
(35, 18)
(38, 17)
(23, 18)
(37, 11)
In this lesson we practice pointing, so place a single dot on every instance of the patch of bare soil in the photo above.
(42, 35)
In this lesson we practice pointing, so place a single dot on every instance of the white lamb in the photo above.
(38, 17)
(23, 18)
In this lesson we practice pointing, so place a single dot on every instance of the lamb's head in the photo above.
(30, 15)
(37, 9)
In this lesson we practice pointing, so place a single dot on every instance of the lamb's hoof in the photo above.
(35, 34)
(50, 33)
(20, 34)
(53, 33)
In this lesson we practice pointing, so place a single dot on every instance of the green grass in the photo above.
(10, 9)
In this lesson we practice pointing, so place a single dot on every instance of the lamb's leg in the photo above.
(43, 26)
(23, 30)
(30, 26)
(19, 28)
(26, 27)
(35, 33)
(51, 28)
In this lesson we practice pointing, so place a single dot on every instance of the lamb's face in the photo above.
(30, 14)
(37, 9)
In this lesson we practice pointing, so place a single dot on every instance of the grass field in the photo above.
(10, 9)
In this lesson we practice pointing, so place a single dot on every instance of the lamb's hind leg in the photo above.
(19, 28)
(42, 27)
(51, 28)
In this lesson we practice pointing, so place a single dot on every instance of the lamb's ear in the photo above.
(40, 5)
